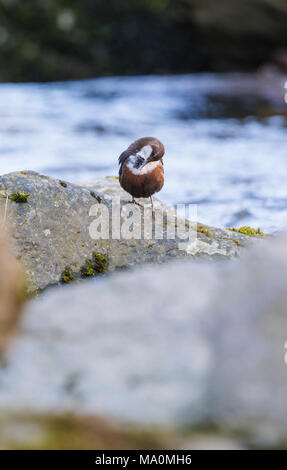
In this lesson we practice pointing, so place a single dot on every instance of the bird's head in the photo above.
(149, 148)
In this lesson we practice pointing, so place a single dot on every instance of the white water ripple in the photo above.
(233, 166)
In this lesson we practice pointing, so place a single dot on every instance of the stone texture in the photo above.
(51, 230)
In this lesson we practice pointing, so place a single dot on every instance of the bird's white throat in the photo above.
(143, 169)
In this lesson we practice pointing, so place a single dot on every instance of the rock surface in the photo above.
(51, 230)
(183, 343)
(11, 290)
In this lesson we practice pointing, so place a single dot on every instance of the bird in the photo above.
(141, 171)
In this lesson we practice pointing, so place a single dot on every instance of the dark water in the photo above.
(225, 137)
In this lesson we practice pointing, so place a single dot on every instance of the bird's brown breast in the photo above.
(142, 184)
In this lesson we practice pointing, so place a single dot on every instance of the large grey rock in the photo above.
(51, 230)
(182, 343)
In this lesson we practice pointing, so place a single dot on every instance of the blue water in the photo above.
(225, 138)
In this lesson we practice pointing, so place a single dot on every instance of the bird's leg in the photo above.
(151, 201)
(133, 201)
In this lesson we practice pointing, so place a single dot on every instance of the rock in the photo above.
(51, 230)
(185, 343)
(11, 290)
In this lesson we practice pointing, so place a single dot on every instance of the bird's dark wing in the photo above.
(123, 156)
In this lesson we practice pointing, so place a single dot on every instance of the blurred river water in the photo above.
(225, 137)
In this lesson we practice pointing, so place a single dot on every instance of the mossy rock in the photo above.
(51, 233)
(19, 197)
(202, 229)
(67, 276)
(245, 230)
(97, 265)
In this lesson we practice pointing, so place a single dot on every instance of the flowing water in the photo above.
(225, 137)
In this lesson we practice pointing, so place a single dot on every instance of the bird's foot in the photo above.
(133, 201)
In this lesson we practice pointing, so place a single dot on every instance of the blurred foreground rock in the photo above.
(11, 290)
(50, 220)
(187, 343)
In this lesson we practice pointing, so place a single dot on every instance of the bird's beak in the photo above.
(152, 159)
(149, 160)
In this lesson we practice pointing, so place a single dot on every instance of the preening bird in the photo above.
(141, 168)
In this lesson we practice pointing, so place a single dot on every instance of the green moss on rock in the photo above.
(202, 229)
(67, 276)
(19, 197)
(97, 265)
(245, 230)
(87, 270)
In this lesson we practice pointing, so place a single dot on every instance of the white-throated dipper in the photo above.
(141, 168)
